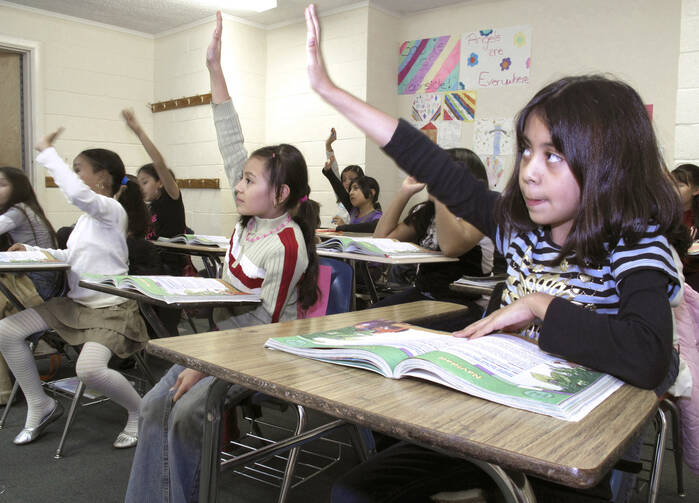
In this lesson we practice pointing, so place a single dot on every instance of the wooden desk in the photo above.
(146, 305)
(573, 454)
(364, 260)
(211, 255)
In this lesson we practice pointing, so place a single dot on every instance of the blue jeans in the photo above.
(166, 464)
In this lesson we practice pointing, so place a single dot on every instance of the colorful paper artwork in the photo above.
(494, 137)
(497, 57)
(426, 107)
(446, 134)
(459, 106)
(494, 167)
(429, 65)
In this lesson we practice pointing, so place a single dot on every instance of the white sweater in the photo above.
(98, 243)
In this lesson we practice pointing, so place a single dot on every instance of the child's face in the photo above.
(150, 187)
(5, 190)
(356, 196)
(347, 178)
(550, 190)
(253, 193)
(687, 193)
(98, 181)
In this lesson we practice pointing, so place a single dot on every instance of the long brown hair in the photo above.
(285, 165)
(603, 130)
(23, 192)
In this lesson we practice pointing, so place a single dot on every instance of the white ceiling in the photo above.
(156, 16)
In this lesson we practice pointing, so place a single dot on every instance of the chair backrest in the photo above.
(335, 285)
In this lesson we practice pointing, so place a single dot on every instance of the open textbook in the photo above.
(503, 368)
(198, 239)
(175, 289)
(381, 247)
(27, 257)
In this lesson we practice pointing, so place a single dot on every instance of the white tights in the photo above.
(91, 368)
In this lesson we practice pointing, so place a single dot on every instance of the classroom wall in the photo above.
(571, 37)
(687, 122)
(297, 115)
(186, 136)
(88, 73)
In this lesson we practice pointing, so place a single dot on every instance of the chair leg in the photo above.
(8, 405)
(293, 456)
(144, 368)
(657, 468)
(71, 416)
(363, 442)
(676, 444)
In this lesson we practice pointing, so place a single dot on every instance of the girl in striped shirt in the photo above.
(587, 225)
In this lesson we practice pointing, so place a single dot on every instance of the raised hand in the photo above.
(47, 141)
(130, 118)
(411, 186)
(329, 164)
(317, 75)
(330, 140)
(213, 52)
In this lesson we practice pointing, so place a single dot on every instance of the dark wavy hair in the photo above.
(130, 198)
(23, 192)
(603, 130)
(689, 175)
(366, 184)
(285, 165)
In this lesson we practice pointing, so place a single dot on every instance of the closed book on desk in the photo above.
(175, 289)
(380, 247)
(502, 368)
(198, 239)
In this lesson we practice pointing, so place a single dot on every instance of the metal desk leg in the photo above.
(210, 458)
(364, 268)
(153, 320)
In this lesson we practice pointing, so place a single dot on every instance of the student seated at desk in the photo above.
(686, 178)
(431, 225)
(161, 193)
(341, 185)
(271, 253)
(103, 324)
(24, 221)
(587, 224)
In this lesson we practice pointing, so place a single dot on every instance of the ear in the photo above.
(695, 191)
(284, 192)
(373, 193)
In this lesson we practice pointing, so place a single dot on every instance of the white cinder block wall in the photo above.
(687, 127)
(186, 136)
(87, 75)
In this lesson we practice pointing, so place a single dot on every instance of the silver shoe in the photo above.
(28, 435)
(125, 440)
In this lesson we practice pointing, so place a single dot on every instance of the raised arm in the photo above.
(389, 225)
(169, 182)
(340, 192)
(228, 130)
(330, 153)
(454, 235)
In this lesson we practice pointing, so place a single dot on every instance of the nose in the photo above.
(238, 186)
(530, 170)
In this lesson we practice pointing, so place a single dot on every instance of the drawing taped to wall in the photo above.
(499, 57)
(459, 106)
(446, 134)
(429, 65)
(426, 107)
(494, 137)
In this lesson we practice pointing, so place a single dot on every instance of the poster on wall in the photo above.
(426, 107)
(446, 134)
(495, 168)
(498, 57)
(494, 137)
(429, 65)
(459, 106)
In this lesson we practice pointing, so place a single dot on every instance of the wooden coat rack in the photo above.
(187, 101)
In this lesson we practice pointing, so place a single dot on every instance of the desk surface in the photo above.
(191, 249)
(132, 294)
(574, 454)
(324, 234)
(33, 266)
(422, 259)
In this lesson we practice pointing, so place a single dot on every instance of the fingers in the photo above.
(52, 137)
(476, 329)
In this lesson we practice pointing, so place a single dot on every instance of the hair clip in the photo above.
(303, 199)
(125, 180)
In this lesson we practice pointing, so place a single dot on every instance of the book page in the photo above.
(390, 246)
(181, 285)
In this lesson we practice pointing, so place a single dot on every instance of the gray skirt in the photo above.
(120, 327)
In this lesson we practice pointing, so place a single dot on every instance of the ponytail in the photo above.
(129, 195)
(307, 216)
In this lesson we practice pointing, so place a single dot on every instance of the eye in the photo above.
(553, 157)
(526, 152)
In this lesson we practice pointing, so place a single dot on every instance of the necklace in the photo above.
(251, 239)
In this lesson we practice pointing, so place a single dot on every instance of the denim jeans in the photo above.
(166, 464)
